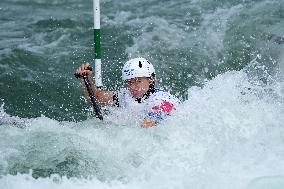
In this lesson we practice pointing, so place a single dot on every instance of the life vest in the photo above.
(157, 105)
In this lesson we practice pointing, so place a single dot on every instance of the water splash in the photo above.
(225, 135)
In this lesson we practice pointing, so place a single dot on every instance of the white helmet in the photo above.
(137, 67)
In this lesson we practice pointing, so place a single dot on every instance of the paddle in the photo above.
(97, 61)
(94, 101)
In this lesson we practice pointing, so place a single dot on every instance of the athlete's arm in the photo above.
(102, 96)
(148, 122)
(158, 111)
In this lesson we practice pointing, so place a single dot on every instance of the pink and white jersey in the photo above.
(157, 106)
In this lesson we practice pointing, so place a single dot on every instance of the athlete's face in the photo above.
(138, 86)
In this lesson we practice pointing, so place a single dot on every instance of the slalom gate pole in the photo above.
(97, 43)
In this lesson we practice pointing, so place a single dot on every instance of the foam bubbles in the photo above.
(225, 135)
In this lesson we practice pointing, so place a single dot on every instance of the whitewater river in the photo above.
(223, 59)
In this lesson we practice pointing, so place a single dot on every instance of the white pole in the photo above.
(97, 43)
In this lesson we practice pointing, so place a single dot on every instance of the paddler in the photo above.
(139, 77)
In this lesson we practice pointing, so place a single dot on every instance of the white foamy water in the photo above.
(228, 134)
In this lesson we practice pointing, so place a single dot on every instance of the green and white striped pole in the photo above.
(97, 43)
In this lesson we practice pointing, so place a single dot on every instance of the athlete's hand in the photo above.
(147, 122)
(84, 69)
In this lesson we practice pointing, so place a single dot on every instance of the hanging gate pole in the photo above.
(97, 43)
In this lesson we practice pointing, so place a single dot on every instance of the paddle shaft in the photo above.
(94, 101)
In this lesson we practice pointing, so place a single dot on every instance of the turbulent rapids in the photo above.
(224, 60)
(229, 133)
